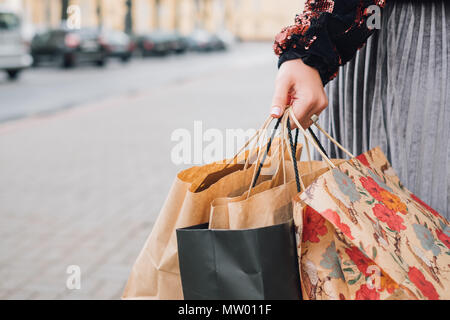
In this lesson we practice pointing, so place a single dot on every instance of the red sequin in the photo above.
(295, 35)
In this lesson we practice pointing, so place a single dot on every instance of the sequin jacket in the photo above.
(327, 34)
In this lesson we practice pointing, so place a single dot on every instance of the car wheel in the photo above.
(125, 58)
(35, 62)
(68, 61)
(13, 74)
(101, 62)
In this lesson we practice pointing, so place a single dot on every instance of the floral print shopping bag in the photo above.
(363, 235)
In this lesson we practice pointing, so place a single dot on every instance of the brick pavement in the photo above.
(84, 186)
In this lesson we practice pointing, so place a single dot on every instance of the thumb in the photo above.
(280, 99)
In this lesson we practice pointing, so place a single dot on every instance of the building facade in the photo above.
(247, 19)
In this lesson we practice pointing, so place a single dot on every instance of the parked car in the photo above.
(119, 44)
(179, 43)
(157, 43)
(14, 56)
(70, 47)
(202, 40)
(228, 38)
(217, 43)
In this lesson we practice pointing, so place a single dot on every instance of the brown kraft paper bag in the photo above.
(269, 203)
(155, 274)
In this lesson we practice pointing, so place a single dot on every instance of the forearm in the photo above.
(327, 34)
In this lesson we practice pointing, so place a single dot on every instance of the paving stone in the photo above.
(84, 186)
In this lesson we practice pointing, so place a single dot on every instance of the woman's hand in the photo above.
(299, 85)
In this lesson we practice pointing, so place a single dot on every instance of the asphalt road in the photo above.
(47, 89)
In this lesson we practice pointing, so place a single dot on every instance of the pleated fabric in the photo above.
(395, 94)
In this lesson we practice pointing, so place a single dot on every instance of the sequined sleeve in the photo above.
(327, 34)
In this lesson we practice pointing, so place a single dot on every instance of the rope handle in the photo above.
(261, 164)
(313, 135)
(310, 138)
(294, 162)
(286, 126)
(247, 143)
(314, 119)
(315, 141)
(281, 146)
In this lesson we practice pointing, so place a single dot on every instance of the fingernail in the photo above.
(276, 111)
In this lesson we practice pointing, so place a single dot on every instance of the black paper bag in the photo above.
(252, 264)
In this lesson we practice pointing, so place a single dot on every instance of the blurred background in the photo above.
(90, 94)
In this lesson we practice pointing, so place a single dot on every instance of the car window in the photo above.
(56, 36)
(117, 37)
(88, 33)
(9, 21)
(41, 38)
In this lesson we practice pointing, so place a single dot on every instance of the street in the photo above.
(49, 89)
(85, 159)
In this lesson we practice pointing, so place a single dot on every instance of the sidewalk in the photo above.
(84, 186)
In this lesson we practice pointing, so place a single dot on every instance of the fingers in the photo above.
(305, 107)
(280, 98)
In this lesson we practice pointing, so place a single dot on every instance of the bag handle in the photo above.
(294, 161)
(308, 153)
(313, 135)
(314, 142)
(290, 113)
(314, 119)
(247, 143)
(261, 164)
(257, 144)
(286, 126)
(293, 145)
(281, 146)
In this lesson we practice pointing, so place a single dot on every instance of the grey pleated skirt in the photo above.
(395, 94)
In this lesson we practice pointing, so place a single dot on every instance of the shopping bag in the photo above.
(264, 208)
(251, 264)
(155, 274)
(268, 208)
(270, 204)
(258, 262)
(365, 236)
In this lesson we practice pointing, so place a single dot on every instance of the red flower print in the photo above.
(334, 218)
(389, 199)
(364, 293)
(425, 286)
(362, 158)
(313, 225)
(372, 187)
(443, 237)
(361, 261)
(388, 216)
(423, 204)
